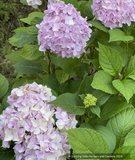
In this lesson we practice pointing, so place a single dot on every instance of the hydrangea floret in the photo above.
(114, 13)
(29, 122)
(34, 3)
(63, 31)
(89, 100)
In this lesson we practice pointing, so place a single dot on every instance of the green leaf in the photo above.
(121, 50)
(20, 29)
(121, 124)
(24, 2)
(86, 125)
(32, 31)
(87, 141)
(85, 86)
(3, 85)
(125, 87)
(109, 60)
(73, 2)
(53, 83)
(7, 154)
(61, 76)
(125, 153)
(31, 52)
(128, 29)
(95, 110)
(87, 11)
(79, 70)
(95, 62)
(70, 103)
(28, 67)
(130, 71)
(14, 56)
(20, 39)
(102, 39)
(130, 138)
(65, 63)
(1, 110)
(101, 97)
(98, 25)
(118, 35)
(103, 81)
(31, 16)
(112, 107)
(108, 135)
(5, 104)
(92, 38)
(70, 86)
(36, 20)
(23, 81)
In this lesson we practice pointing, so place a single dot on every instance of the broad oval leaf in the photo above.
(70, 103)
(14, 56)
(112, 107)
(130, 71)
(118, 35)
(20, 39)
(31, 52)
(85, 86)
(31, 16)
(98, 25)
(122, 124)
(125, 153)
(87, 141)
(28, 67)
(130, 138)
(110, 60)
(125, 87)
(108, 135)
(3, 85)
(102, 97)
(103, 81)
(61, 76)
(95, 110)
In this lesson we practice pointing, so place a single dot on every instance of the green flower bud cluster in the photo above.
(89, 100)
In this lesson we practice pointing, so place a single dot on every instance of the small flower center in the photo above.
(89, 100)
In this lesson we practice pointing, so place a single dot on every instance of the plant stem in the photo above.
(49, 61)
(88, 114)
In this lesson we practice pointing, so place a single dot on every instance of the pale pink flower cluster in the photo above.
(30, 122)
(114, 13)
(34, 3)
(63, 31)
(50, 2)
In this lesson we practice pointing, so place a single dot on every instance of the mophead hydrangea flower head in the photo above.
(63, 31)
(34, 3)
(114, 13)
(34, 125)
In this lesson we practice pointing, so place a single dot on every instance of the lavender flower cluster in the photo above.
(34, 3)
(30, 122)
(63, 31)
(114, 13)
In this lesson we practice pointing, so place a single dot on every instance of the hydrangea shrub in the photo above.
(73, 91)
